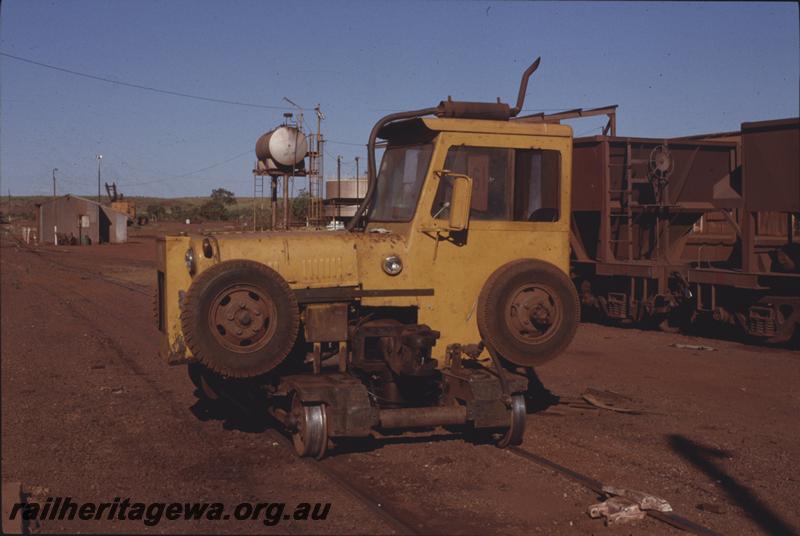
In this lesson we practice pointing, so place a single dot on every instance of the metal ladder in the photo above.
(626, 204)
(258, 198)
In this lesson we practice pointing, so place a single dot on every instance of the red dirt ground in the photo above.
(90, 411)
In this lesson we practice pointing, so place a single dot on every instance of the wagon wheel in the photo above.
(240, 318)
(516, 429)
(528, 312)
(310, 434)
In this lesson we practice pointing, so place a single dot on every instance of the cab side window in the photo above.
(507, 184)
(536, 185)
(489, 169)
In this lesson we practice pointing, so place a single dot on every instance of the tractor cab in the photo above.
(447, 287)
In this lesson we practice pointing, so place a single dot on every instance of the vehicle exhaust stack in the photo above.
(495, 111)
(523, 86)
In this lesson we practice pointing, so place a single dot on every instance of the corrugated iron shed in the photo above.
(77, 219)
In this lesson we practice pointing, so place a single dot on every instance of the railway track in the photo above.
(86, 274)
(82, 271)
(401, 522)
(596, 486)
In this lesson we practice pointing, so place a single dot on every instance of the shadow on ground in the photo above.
(703, 458)
(236, 413)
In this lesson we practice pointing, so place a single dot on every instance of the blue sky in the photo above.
(673, 68)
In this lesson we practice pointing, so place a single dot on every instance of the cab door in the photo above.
(519, 210)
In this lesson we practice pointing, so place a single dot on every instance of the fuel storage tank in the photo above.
(286, 146)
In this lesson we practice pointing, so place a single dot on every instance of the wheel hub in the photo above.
(241, 318)
(533, 312)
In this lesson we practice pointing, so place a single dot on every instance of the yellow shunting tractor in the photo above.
(445, 290)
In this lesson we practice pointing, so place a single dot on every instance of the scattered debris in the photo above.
(607, 400)
(645, 501)
(693, 347)
(571, 403)
(625, 505)
(616, 510)
(37, 492)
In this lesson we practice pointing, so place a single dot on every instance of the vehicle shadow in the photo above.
(372, 443)
(703, 458)
(233, 415)
(238, 415)
(538, 397)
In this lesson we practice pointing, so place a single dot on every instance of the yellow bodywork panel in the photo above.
(454, 268)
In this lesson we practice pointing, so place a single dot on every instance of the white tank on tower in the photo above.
(286, 146)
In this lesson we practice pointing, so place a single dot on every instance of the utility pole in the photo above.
(356, 177)
(55, 223)
(319, 179)
(339, 187)
(99, 159)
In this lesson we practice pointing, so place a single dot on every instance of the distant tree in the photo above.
(223, 196)
(216, 208)
(300, 206)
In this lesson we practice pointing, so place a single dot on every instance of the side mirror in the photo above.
(460, 202)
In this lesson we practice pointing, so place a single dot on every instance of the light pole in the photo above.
(99, 159)
(55, 225)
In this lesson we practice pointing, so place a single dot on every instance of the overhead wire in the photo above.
(184, 175)
(140, 86)
(201, 98)
(335, 142)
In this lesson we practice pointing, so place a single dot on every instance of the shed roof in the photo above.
(68, 196)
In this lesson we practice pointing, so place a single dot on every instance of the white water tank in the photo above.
(286, 146)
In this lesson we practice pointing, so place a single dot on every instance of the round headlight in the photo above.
(189, 259)
(392, 265)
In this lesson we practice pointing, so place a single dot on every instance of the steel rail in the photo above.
(596, 486)
(368, 498)
(87, 274)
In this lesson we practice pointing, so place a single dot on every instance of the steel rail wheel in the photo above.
(528, 312)
(310, 434)
(516, 429)
(240, 318)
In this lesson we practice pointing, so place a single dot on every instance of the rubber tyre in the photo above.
(197, 330)
(496, 294)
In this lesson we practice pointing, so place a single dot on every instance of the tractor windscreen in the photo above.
(399, 182)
